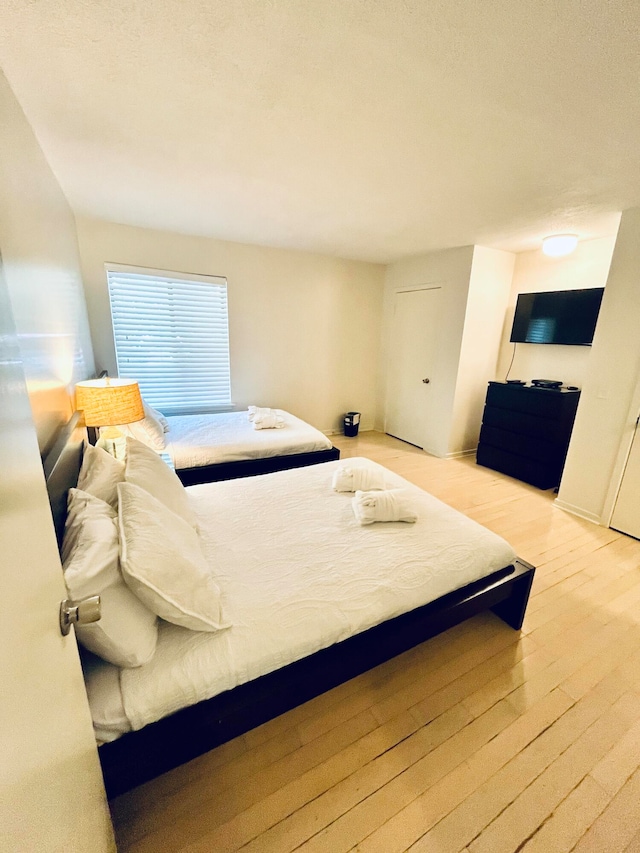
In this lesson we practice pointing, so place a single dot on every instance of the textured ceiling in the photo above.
(369, 129)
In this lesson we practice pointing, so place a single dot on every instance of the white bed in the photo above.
(211, 439)
(297, 574)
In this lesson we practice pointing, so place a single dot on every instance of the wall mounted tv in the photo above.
(557, 317)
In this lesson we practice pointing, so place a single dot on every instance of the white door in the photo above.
(53, 797)
(412, 357)
(626, 513)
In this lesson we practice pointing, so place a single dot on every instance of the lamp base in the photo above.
(113, 441)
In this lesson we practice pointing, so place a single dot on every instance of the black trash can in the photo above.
(351, 423)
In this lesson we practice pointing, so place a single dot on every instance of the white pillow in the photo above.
(164, 423)
(100, 473)
(162, 562)
(149, 430)
(127, 632)
(146, 469)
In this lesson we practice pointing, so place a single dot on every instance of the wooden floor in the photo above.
(481, 740)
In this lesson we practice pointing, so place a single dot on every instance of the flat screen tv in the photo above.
(557, 317)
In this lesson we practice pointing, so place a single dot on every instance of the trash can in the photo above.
(351, 423)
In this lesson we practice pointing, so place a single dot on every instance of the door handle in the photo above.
(81, 612)
(426, 381)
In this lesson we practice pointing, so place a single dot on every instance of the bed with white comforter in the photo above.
(297, 574)
(212, 439)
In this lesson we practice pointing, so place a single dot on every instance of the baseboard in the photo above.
(458, 454)
(364, 427)
(581, 513)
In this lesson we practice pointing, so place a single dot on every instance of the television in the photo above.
(557, 317)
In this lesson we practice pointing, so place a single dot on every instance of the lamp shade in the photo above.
(109, 402)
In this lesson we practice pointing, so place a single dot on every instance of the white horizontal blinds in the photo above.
(172, 335)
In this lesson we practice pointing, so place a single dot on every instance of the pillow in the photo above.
(100, 473)
(149, 430)
(163, 564)
(164, 423)
(146, 469)
(126, 632)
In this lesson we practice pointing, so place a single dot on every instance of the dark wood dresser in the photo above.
(526, 431)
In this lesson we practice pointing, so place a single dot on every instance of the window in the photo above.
(171, 333)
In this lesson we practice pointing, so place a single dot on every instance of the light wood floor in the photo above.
(481, 740)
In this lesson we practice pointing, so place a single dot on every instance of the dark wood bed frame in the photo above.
(139, 756)
(251, 467)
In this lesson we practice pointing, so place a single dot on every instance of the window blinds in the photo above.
(171, 333)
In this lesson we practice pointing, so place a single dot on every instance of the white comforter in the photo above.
(298, 573)
(196, 440)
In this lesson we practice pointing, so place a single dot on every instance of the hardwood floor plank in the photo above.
(402, 830)
(341, 834)
(618, 827)
(537, 802)
(465, 820)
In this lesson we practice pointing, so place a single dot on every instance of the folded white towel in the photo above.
(351, 478)
(254, 411)
(268, 419)
(387, 505)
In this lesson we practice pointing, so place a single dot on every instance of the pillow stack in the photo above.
(131, 537)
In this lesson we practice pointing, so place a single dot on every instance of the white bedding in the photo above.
(298, 573)
(196, 440)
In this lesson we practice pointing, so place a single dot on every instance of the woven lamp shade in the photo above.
(109, 402)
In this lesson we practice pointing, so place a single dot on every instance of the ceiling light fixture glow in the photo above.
(559, 245)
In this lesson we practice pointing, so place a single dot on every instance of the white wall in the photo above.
(605, 420)
(489, 288)
(451, 270)
(304, 329)
(534, 272)
(42, 271)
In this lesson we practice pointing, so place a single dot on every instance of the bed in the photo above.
(313, 599)
(211, 447)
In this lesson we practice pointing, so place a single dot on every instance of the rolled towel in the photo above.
(351, 478)
(255, 411)
(268, 420)
(388, 505)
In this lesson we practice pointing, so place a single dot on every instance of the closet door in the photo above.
(626, 513)
(411, 371)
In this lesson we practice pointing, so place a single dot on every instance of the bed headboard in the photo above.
(61, 469)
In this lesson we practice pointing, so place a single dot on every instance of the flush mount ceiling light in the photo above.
(558, 245)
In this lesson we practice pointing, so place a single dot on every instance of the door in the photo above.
(626, 513)
(53, 797)
(412, 357)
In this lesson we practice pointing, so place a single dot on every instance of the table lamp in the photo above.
(108, 402)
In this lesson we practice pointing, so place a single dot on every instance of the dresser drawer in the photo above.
(526, 424)
(541, 474)
(542, 402)
(536, 449)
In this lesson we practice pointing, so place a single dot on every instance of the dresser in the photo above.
(526, 431)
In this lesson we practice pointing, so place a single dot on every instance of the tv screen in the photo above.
(557, 317)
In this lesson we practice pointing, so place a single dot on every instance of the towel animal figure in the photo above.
(256, 411)
(387, 505)
(267, 419)
(353, 478)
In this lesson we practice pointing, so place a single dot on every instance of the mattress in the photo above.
(297, 574)
(197, 440)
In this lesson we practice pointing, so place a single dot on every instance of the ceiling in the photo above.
(370, 129)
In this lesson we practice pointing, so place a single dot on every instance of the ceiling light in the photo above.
(559, 245)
